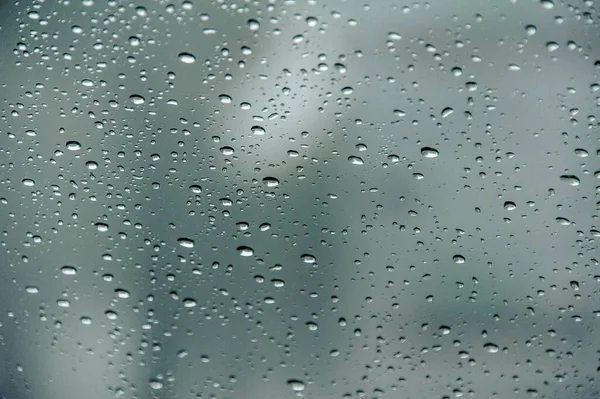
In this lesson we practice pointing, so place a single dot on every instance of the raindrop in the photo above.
(253, 25)
(245, 251)
(296, 385)
(155, 384)
(571, 180)
(458, 259)
(187, 58)
(258, 130)
(270, 181)
(510, 206)
(137, 99)
(552, 46)
(73, 145)
(446, 112)
(355, 160)
(306, 258)
(186, 242)
(225, 99)
(581, 153)
(514, 67)
(189, 303)
(531, 30)
(491, 348)
(227, 150)
(196, 189)
(28, 182)
(428, 152)
(68, 270)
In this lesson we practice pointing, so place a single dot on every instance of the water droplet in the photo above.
(510, 206)
(394, 36)
(270, 181)
(491, 348)
(73, 145)
(155, 384)
(563, 221)
(189, 303)
(514, 67)
(227, 150)
(85, 320)
(428, 152)
(111, 315)
(186, 242)
(258, 130)
(28, 182)
(458, 259)
(552, 46)
(581, 153)
(32, 289)
(571, 180)
(531, 30)
(446, 112)
(136, 99)
(296, 385)
(196, 189)
(102, 227)
(355, 160)
(444, 330)
(225, 99)
(68, 270)
(245, 251)
(253, 25)
(187, 58)
(574, 285)
(306, 258)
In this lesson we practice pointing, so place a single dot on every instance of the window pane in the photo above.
(271, 199)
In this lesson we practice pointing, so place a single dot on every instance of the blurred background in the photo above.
(272, 199)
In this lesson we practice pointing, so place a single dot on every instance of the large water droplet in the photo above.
(187, 58)
(245, 251)
(571, 180)
(186, 242)
(68, 270)
(491, 348)
(355, 160)
(296, 385)
(73, 145)
(258, 130)
(270, 181)
(428, 152)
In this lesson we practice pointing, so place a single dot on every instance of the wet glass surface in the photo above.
(326, 199)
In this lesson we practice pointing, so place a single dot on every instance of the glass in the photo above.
(270, 199)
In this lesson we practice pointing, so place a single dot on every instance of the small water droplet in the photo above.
(28, 182)
(510, 206)
(253, 25)
(155, 384)
(531, 30)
